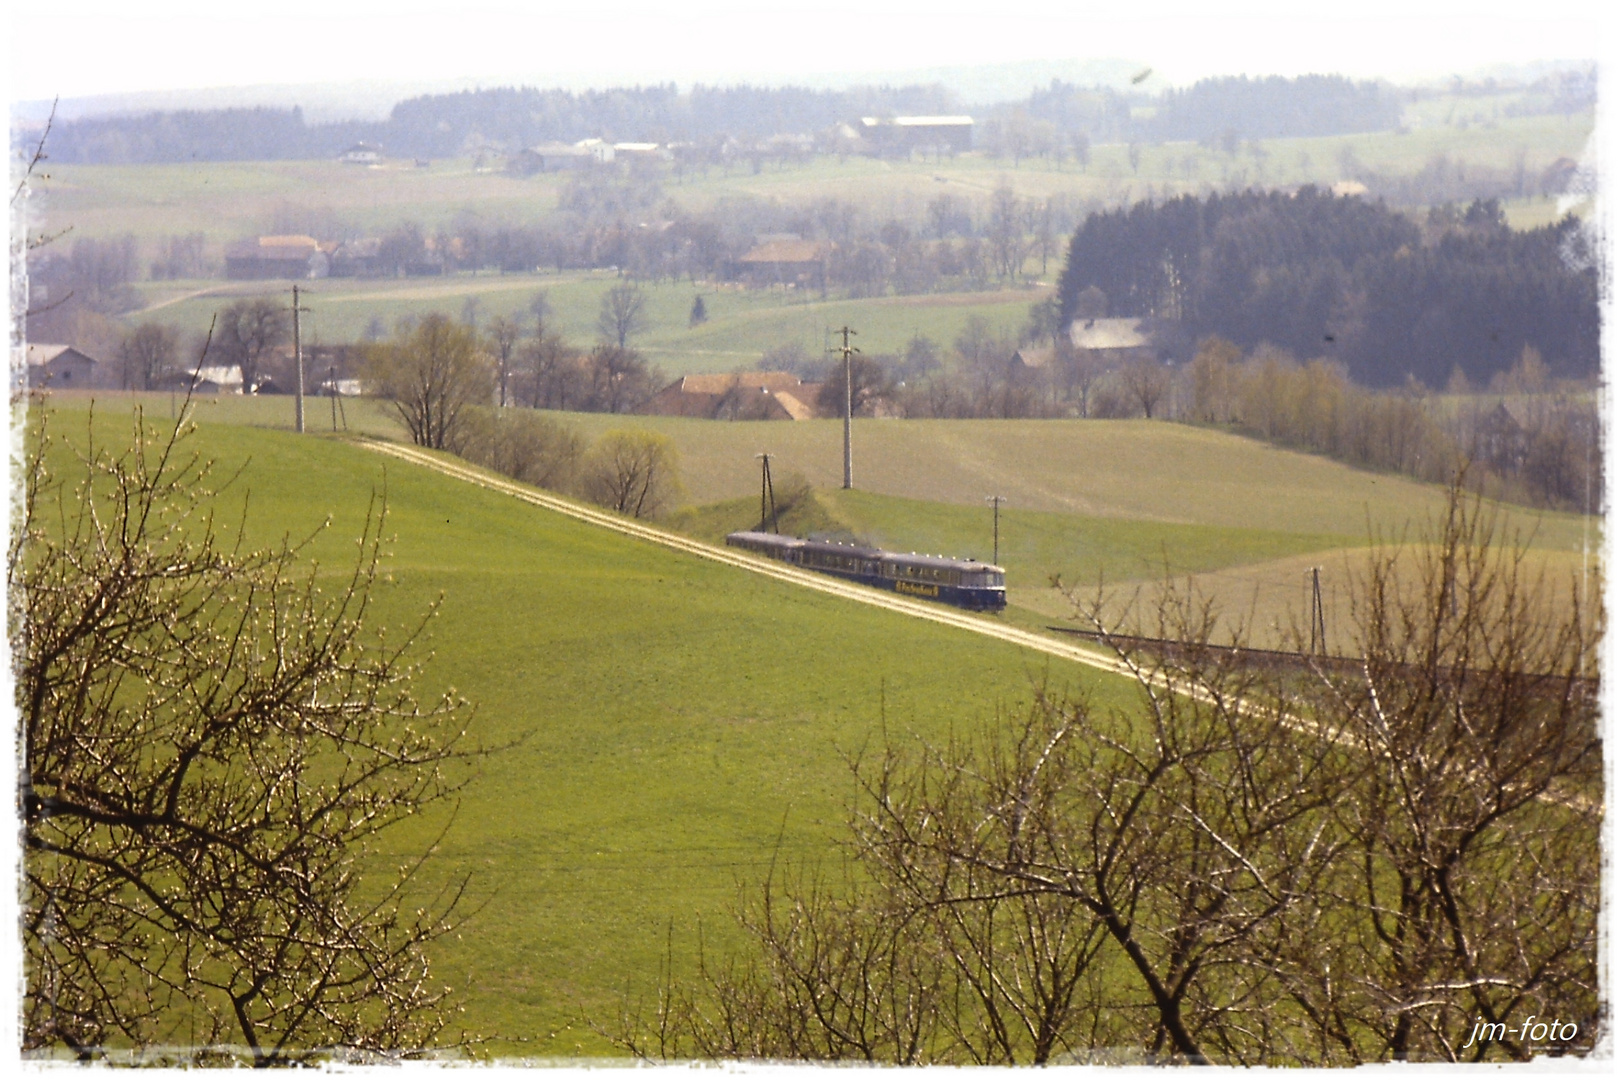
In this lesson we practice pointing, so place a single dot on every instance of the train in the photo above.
(962, 582)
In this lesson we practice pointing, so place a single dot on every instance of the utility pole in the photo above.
(1318, 620)
(766, 488)
(849, 402)
(994, 502)
(298, 362)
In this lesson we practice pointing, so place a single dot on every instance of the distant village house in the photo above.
(743, 395)
(60, 367)
(274, 257)
(358, 258)
(207, 379)
(561, 156)
(786, 261)
(1111, 341)
(903, 135)
(361, 153)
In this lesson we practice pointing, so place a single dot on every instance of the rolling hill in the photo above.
(662, 726)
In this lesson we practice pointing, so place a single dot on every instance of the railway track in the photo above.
(861, 594)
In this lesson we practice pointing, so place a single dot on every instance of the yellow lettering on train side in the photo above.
(916, 589)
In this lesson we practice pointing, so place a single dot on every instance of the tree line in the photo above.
(1348, 279)
(1527, 436)
(511, 118)
(444, 125)
(442, 379)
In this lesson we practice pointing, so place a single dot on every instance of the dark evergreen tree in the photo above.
(1342, 278)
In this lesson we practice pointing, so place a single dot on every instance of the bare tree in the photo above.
(870, 384)
(209, 740)
(540, 308)
(623, 314)
(1006, 233)
(1326, 861)
(1468, 898)
(248, 331)
(503, 335)
(633, 472)
(145, 354)
(433, 373)
(619, 379)
(1147, 381)
(552, 374)
(525, 446)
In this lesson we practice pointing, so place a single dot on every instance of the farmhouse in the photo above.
(561, 156)
(358, 258)
(60, 367)
(361, 153)
(786, 261)
(269, 257)
(1112, 341)
(207, 379)
(900, 136)
(743, 395)
(1034, 357)
(642, 151)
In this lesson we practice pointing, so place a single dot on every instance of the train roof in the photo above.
(832, 547)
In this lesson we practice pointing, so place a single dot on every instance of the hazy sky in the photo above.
(88, 47)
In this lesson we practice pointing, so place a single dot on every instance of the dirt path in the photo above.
(917, 609)
(212, 290)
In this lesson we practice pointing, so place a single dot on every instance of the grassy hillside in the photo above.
(673, 722)
(1150, 471)
(1116, 502)
(1143, 470)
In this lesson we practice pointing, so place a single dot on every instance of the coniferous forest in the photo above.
(1348, 280)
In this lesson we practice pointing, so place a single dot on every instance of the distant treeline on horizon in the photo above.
(510, 119)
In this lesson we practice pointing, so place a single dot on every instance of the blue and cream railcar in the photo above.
(962, 582)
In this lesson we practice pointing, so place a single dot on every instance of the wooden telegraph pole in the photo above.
(849, 402)
(298, 362)
(1318, 619)
(994, 502)
(766, 488)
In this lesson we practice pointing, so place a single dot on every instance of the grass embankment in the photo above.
(673, 723)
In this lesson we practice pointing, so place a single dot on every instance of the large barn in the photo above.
(903, 135)
(781, 261)
(272, 257)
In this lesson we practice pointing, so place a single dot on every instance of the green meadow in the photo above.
(1115, 503)
(742, 323)
(229, 200)
(662, 726)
